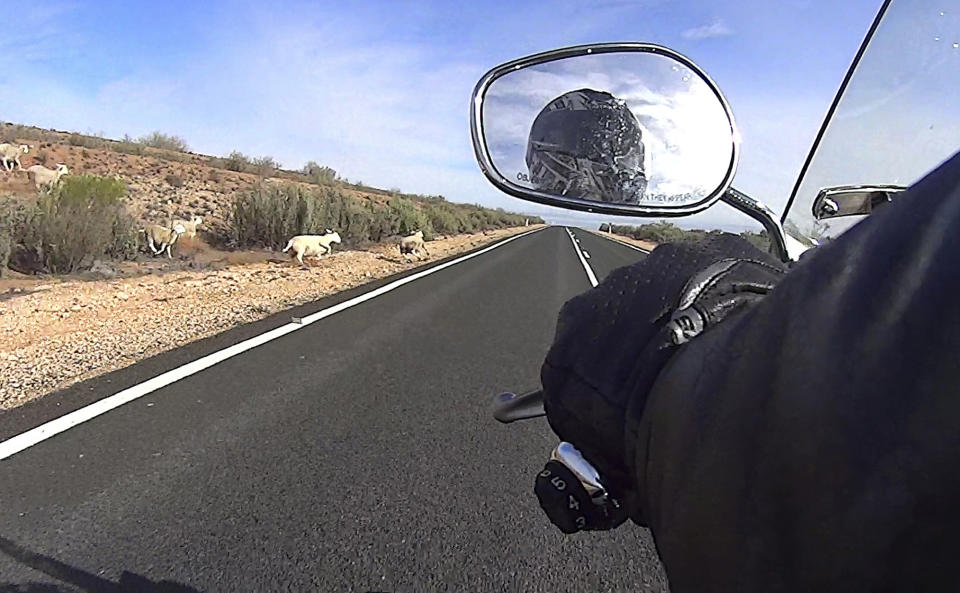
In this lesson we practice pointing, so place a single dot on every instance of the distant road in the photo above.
(356, 453)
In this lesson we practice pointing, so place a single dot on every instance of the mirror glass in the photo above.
(634, 128)
(834, 202)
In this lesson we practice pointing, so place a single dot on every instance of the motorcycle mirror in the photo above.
(616, 128)
(853, 200)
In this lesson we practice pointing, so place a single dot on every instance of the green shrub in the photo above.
(265, 166)
(270, 215)
(164, 141)
(10, 219)
(319, 174)
(237, 161)
(86, 140)
(127, 146)
(409, 218)
(82, 219)
(660, 232)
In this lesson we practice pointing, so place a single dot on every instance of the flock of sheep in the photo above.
(40, 176)
(160, 239)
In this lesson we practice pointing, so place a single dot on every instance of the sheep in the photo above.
(190, 226)
(312, 244)
(162, 236)
(10, 154)
(413, 244)
(43, 176)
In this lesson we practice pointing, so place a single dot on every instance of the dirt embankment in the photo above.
(159, 190)
(56, 333)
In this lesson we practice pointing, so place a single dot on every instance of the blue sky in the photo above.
(380, 90)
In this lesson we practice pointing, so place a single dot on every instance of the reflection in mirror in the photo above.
(852, 200)
(634, 128)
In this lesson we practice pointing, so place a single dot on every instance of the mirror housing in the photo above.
(852, 200)
(662, 143)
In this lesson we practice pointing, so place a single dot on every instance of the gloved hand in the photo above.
(612, 341)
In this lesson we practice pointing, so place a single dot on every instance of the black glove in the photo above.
(613, 340)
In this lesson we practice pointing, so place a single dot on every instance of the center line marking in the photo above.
(590, 275)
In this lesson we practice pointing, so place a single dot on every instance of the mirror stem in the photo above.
(761, 213)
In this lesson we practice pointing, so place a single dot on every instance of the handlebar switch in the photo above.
(573, 497)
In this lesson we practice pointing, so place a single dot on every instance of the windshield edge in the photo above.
(833, 107)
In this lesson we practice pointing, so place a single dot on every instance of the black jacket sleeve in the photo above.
(812, 443)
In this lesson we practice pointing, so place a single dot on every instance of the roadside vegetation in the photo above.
(85, 218)
(67, 228)
(270, 215)
(667, 232)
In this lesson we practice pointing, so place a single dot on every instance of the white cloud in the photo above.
(714, 29)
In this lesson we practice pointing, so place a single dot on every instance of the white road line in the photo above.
(624, 243)
(590, 275)
(586, 255)
(54, 427)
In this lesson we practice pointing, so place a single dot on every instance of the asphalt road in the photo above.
(604, 254)
(356, 454)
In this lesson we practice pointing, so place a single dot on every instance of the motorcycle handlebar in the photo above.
(510, 407)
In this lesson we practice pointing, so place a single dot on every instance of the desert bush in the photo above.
(164, 141)
(86, 140)
(12, 216)
(265, 166)
(82, 219)
(174, 180)
(319, 174)
(127, 146)
(409, 218)
(269, 215)
(660, 232)
(214, 176)
(237, 161)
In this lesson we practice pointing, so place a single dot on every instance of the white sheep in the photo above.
(44, 177)
(307, 245)
(190, 226)
(162, 236)
(413, 244)
(10, 154)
